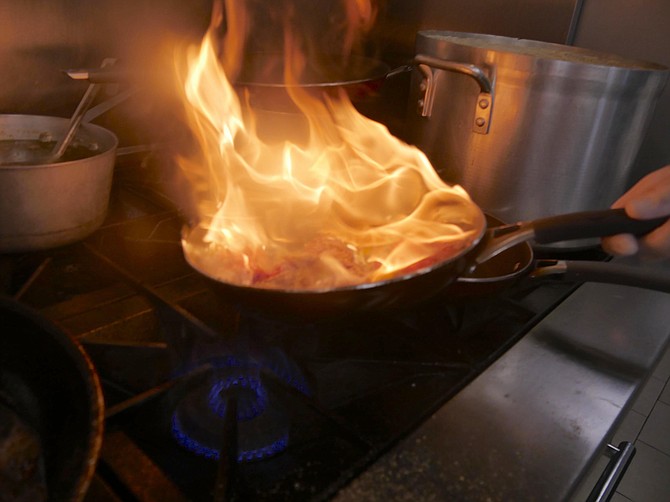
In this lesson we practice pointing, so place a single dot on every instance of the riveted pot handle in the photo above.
(484, 105)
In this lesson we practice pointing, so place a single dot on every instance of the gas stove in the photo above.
(205, 401)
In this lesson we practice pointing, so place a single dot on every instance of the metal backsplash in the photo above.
(544, 20)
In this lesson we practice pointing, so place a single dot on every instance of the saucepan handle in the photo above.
(604, 272)
(588, 224)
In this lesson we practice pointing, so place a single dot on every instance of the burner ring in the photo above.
(251, 396)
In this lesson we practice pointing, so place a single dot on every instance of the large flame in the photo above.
(347, 203)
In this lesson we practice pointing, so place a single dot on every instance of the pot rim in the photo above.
(29, 127)
(537, 50)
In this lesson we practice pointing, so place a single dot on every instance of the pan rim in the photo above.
(378, 70)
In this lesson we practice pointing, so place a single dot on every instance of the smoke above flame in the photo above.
(330, 198)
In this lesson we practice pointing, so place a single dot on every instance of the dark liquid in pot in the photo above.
(34, 151)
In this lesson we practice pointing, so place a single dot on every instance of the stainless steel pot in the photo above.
(530, 129)
(49, 205)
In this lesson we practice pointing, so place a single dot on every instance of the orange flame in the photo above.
(348, 204)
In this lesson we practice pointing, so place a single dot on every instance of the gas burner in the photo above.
(199, 422)
(249, 391)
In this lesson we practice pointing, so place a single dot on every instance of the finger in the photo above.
(655, 187)
(652, 205)
(657, 242)
(620, 245)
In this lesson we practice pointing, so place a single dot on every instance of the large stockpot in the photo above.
(530, 129)
(49, 205)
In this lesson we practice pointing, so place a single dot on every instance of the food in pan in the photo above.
(21, 462)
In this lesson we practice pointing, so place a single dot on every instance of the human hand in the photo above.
(648, 198)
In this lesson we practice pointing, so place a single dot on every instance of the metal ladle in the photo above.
(75, 121)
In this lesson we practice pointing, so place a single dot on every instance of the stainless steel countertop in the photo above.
(533, 423)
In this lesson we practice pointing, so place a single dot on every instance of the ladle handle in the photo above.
(75, 121)
(589, 224)
(78, 116)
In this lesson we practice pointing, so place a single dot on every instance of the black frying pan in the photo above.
(47, 380)
(420, 285)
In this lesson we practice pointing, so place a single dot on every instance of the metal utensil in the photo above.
(77, 117)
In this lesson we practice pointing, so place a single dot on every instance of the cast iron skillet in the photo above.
(418, 286)
(47, 379)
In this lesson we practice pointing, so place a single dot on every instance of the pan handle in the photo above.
(565, 227)
(587, 224)
(608, 273)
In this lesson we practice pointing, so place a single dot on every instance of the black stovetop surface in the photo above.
(316, 403)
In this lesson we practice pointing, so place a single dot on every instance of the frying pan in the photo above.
(47, 380)
(420, 285)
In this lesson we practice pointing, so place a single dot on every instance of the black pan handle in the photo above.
(565, 227)
(604, 272)
(589, 224)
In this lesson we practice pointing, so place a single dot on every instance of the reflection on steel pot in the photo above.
(530, 129)
(49, 205)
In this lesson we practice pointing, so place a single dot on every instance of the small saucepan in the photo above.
(46, 205)
(470, 263)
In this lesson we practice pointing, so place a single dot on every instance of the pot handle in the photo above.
(484, 105)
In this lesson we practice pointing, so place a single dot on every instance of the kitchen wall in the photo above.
(545, 20)
(39, 38)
